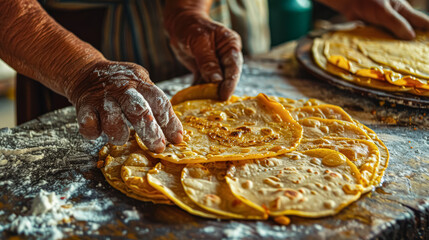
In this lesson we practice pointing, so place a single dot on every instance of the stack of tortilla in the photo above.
(373, 58)
(251, 158)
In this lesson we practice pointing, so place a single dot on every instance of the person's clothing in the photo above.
(132, 31)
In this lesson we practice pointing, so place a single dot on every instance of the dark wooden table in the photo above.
(49, 154)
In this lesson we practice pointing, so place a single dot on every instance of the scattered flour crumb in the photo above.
(209, 229)
(51, 213)
(237, 231)
(131, 215)
(44, 202)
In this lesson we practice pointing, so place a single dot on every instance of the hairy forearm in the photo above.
(38, 47)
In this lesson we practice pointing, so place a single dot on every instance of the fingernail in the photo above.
(160, 147)
(216, 77)
(177, 138)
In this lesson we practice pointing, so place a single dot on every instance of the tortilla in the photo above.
(315, 128)
(325, 111)
(237, 129)
(350, 59)
(112, 173)
(291, 104)
(406, 57)
(321, 61)
(321, 160)
(206, 186)
(314, 183)
(111, 160)
(384, 153)
(202, 91)
(165, 177)
(362, 153)
(133, 173)
(369, 56)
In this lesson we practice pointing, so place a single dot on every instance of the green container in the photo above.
(289, 19)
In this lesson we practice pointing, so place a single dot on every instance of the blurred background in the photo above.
(7, 95)
(288, 21)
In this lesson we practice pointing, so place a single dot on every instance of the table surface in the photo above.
(48, 154)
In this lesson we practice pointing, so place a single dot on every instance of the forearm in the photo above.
(38, 47)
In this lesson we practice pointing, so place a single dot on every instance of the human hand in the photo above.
(114, 92)
(208, 49)
(398, 16)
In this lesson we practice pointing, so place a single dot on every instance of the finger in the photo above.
(113, 123)
(163, 112)
(226, 40)
(416, 18)
(139, 114)
(396, 23)
(88, 121)
(207, 62)
(197, 79)
(232, 63)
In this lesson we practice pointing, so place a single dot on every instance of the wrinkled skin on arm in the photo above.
(106, 94)
(208, 49)
(395, 15)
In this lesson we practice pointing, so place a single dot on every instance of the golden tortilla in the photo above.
(112, 158)
(166, 178)
(237, 129)
(314, 183)
(253, 157)
(205, 184)
(134, 174)
(370, 57)
(362, 153)
(203, 91)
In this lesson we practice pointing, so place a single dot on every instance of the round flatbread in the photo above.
(315, 128)
(322, 62)
(362, 153)
(134, 174)
(291, 104)
(325, 111)
(370, 57)
(314, 183)
(238, 129)
(113, 158)
(319, 160)
(202, 91)
(206, 186)
(384, 153)
(165, 177)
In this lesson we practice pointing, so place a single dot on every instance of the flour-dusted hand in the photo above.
(396, 15)
(208, 49)
(114, 92)
(106, 94)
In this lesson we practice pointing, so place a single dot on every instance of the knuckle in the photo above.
(209, 66)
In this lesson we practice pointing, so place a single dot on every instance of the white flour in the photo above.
(51, 212)
(131, 215)
(236, 230)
